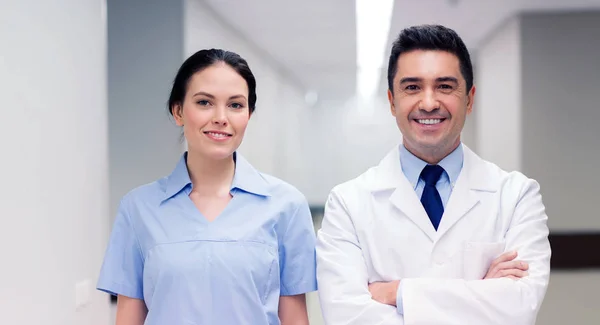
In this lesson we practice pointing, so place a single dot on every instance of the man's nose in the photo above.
(429, 102)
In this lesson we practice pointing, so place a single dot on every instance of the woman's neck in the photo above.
(210, 177)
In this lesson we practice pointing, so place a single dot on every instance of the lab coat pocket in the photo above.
(478, 257)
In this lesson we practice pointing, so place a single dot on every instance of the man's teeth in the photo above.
(217, 135)
(430, 121)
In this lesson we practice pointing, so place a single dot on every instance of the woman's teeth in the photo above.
(217, 135)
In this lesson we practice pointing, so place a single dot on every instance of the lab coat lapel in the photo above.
(474, 178)
(405, 199)
(461, 201)
(389, 176)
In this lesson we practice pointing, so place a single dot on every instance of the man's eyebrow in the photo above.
(447, 79)
(410, 79)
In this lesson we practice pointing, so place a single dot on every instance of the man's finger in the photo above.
(508, 256)
(521, 265)
(512, 273)
(518, 265)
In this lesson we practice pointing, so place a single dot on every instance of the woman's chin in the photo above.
(214, 153)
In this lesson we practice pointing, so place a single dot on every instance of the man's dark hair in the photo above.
(430, 37)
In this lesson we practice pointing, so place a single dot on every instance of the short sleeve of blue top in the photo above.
(229, 271)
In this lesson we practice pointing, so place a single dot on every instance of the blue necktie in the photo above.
(431, 200)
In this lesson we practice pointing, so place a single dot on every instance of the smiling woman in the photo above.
(215, 242)
(213, 97)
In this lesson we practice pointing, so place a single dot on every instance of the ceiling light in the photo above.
(373, 19)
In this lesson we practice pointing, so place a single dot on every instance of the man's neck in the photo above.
(433, 156)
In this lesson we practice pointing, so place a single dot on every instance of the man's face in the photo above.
(430, 102)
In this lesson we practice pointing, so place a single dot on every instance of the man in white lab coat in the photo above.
(434, 234)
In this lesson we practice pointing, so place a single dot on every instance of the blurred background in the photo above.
(83, 92)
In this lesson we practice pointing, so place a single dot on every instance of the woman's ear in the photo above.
(177, 111)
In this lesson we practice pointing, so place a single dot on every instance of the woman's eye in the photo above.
(237, 105)
(203, 102)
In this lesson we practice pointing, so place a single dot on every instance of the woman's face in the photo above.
(215, 112)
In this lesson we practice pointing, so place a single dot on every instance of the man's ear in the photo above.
(470, 100)
(391, 100)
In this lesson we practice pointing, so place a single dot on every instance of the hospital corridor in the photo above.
(213, 162)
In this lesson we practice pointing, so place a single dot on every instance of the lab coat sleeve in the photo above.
(342, 273)
(492, 301)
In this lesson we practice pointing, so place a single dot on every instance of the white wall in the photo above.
(53, 135)
(498, 97)
(538, 107)
(145, 49)
(561, 96)
(347, 137)
(561, 75)
(274, 138)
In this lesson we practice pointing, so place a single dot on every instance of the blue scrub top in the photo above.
(229, 271)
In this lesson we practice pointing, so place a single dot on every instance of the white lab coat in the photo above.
(376, 229)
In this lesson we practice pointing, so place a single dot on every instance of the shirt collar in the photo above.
(248, 179)
(245, 178)
(412, 165)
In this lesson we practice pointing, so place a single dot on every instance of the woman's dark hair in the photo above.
(430, 37)
(204, 59)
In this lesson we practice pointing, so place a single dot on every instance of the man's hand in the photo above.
(506, 267)
(384, 292)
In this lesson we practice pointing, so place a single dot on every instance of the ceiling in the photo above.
(315, 39)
